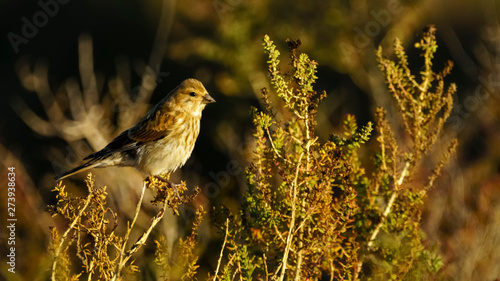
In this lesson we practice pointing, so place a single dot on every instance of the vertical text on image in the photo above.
(11, 219)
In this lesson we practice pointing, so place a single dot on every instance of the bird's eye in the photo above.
(193, 94)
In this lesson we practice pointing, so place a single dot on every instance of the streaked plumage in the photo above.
(162, 141)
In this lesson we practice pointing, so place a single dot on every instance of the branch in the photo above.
(222, 250)
(71, 226)
(123, 259)
(292, 222)
(387, 210)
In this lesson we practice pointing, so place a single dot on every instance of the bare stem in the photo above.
(222, 250)
(123, 259)
(142, 240)
(272, 144)
(387, 210)
(292, 222)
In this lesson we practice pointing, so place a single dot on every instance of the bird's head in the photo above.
(192, 96)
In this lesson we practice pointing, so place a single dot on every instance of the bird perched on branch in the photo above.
(162, 141)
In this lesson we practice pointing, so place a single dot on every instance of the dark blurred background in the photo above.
(77, 73)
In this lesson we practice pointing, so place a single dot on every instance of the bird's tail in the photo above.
(89, 165)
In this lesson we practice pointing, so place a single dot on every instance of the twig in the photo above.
(123, 259)
(300, 229)
(389, 204)
(387, 210)
(71, 226)
(278, 268)
(222, 250)
(265, 265)
(158, 49)
(272, 144)
(142, 240)
(292, 222)
(279, 233)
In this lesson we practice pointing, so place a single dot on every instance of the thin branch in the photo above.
(31, 119)
(71, 226)
(239, 271)
(278, 268)
(124, 259)
(222, 249)
(300, 229)
(279, 233)
(158, 50)
(272, 144)
(265, 265)
(387, 210)
(142, 240)
(89, 95)
(292, 222)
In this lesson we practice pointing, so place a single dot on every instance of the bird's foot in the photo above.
(171, 184)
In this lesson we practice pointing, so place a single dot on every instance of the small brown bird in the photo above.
(162, 141)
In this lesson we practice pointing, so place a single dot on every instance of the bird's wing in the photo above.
(155, 125)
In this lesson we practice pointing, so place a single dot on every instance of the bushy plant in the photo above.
(92, 248)
(312, 210)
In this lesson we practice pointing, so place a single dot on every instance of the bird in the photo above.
(162, 141)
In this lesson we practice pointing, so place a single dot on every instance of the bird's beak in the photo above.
(207, 98)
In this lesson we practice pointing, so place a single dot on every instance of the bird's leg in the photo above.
(171, 184)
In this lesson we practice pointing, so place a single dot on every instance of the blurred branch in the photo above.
(158, 50)
(77, 113)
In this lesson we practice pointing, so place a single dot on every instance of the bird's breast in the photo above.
(169, 153)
